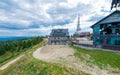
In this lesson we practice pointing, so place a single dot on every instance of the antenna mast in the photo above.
(78, 25)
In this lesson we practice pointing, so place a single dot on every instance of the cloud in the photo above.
(34, 17)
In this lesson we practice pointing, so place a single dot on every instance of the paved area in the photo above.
(86, 42)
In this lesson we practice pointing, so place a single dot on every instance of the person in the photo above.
(105, 41)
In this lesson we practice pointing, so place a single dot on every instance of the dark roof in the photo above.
(59, 32)
(105, 17)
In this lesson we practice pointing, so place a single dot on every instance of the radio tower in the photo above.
(78, 26)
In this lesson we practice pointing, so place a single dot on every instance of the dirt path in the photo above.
(65, 55)
(11, 62)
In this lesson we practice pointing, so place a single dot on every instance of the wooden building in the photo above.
(59, 37)
(106, 32)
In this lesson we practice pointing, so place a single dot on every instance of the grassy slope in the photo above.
(8, 56)
(99, 57)
(31, 66)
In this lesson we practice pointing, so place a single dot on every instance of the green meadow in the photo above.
(99, 57)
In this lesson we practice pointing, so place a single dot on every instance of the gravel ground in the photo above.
(65, 55)
(49, 53)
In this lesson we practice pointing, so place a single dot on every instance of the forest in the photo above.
(18, 45)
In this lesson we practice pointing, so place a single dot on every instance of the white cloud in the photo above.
(34, 17)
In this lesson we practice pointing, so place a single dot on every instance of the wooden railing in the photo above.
(110, 47)
(107, 35)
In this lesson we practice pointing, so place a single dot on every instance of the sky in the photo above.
(39, 17)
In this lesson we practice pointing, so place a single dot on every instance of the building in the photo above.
(106, 32)
(84, 34)
(59, 37)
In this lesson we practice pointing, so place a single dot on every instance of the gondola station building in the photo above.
(106, 32)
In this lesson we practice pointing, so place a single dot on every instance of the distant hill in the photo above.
(12, 38)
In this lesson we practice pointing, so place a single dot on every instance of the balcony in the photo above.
(110, 29)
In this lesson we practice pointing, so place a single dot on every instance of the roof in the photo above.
(85, 33)
(117, 11)
(59, 32)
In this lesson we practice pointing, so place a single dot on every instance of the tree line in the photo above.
(18, 45)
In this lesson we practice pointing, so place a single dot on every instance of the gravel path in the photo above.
(11, 62)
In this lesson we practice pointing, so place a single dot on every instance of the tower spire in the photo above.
(78, 25)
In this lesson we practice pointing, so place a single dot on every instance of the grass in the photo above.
(99, 57)
(8, 56)
(28, 65)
